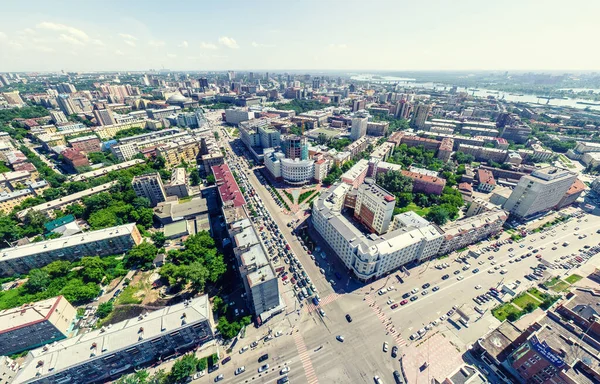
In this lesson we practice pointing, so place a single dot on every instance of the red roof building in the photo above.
(575, 190)
(74, 158)
(228, 188)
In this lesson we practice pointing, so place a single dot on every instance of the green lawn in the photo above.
(502, 312)
(535, 292)
(416, 209)
(573, 279)
(559, 287)
(126, 297)
(523, 299)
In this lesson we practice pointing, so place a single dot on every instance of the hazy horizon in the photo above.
(353, 36)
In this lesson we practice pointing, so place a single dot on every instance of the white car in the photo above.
(381, 292)
(385, 346)
(278, 333)
(241, 369)
(263, 368)
(390, 301)
(284, 370)
(244, 349)
(460, 277)
(478, 286)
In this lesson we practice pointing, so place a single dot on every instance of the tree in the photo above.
(195, 177)
(463, 158)
(76, 291)
(158, 238)
(58, 268)
(395, 182)
(513, 316)
(183, 368)
(404, 199)
(34, 223)
(38, 281)
(76, 210)
(210, 179)
(530, 307)
(219, 305)
(104, 309)
(438, 215)
(9, 231)
(196, 274)
(93, 269)
(142, 254)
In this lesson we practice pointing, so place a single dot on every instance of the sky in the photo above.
(348, 35)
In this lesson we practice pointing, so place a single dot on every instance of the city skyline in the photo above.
(380, 36)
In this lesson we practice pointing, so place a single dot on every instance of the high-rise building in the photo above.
(295, 147)
(58, 117)
(359, 127)
(420, 116)
(104, 116)
(316, 83)
(358, 105)
(36, 324)
(66, 104)
(374, 206)
(403, 109)
(151, 187)
(540, 191)
(66, 88)
(4, 80)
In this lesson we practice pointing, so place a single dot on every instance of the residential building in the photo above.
(359, 127)
(322, 167)
(85, 144)
(374, 206)
(471, 230)
(357, 146)
(13, 98)
(383, 151)
(445, 149)
(486, 181)
(61, 203)
(416, 141)
(478, 206)
(172, 211)
(229, 191)
(421, 112)
(269, 137)
(151, 187)
(103, 242)
(540, 191)
(574, 192)
(355, 176)
(260, 281)
(377, 128)
(163, 113)
(58, 117)
(403, 110)
(66, 105)
(8, 366)
(128, 147)
(178, 185)
(10, 200)
(75, 158)
(369, 256)
(104, 116)
(484, 153)
(105, 170)
(36, 324)
(176, 152)
(518, 133)
(104, 354)
(212, 159)
(358, 105)
(582, 148)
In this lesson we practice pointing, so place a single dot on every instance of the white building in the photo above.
(374, 206)
(359, 127)
(540, 191)
(235, 116)
(370, 256)
(293, 171)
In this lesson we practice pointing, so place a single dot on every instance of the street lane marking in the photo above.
(309, 371)
(385, 320)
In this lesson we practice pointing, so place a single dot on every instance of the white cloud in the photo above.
(171, 55)
(29, 31)
(15, 45)
(42, 48)
(184, 44)
(119, 52)
(129, 42)
(228, 42)
(204, 45)
(156, 43)
(261, 45)
(3, 36)
(128, 36)
(97, 42)
(71, 40)
(67, 30)
(338, 46)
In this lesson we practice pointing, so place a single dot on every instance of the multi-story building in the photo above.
(229, 191)
(13, 98)
(539, 192)
(574, 192)
(383, 152)
(33, 325)
(582, 148)
(445, 149)
(358, 105)
(269, 137)
(420, 115)
(58, 117)
(484, 153)
(357, 146)
(518, 133)
(322, 166)
(359, 127)
(65, 103)
(183, 150)
(212, 159)
(260, 281)
(461, 233)
(104, 117)
(151, 187)
(130, 146)
(8, 367)
(377, 128)
(85, 144)
(416, 141)
(403, 110)
(11, 199)
(486, 181)
(75, 158)
(178, 185)
(103, 242)
(368, 256)
(157, 114)
(105, 170)
(356, 175)
(295, 147)
(374, 206)
(235, 116)
(104, 354)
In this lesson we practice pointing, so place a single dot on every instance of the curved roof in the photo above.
(176, 98)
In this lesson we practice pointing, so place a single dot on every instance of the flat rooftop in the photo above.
(27, 314)
(104, 170)
(105, 341)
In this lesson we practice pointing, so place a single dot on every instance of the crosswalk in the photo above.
(385, 322)
(309, 372)
(310, 307)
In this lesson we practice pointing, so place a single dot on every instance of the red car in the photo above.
(293, 280)
(403, 302)
(287, 246)
(284, 278)
(394, 306)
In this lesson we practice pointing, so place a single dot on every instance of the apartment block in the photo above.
(34, 325)
(355, 176)
(416, 141)
(151, 187)
(176, 152)
(461, 233)
(374, 206)
(178, 185)
(103, 242)
(486, 181)
(484, 153)
(445, 149)
(105, 354)
(377, 128)
(85, 144)
(105, 170)
(357, 146)
(359, 127)
(540, 191)
(10, 200)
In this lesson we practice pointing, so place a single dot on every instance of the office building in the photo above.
(235, 116)
(471, 230)
(104, 116)
(377, 129)
(74, 158)
(58, 117)
(420, 115)
(104, 354)
(359, 127)
(575, 191)
(422, 183)
(356, 175)
(358, 105)
(540, 191)
(178, 185)
(322, 166)
(369, 256)
(295, 147)
(103, 242)
(374, 207)
(36, 324)
(292, 171)
(212, 159)
(151, 187)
